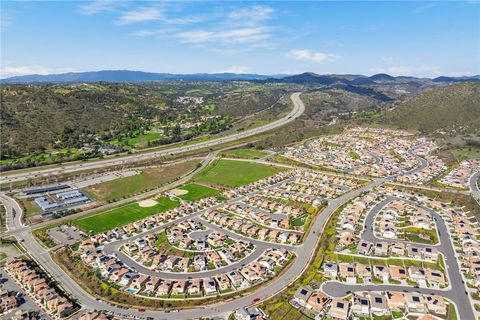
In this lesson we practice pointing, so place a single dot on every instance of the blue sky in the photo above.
(399, 38)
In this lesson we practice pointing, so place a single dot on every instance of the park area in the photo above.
(148, 179)
(193, 192)
(123, 215)
(232, 173)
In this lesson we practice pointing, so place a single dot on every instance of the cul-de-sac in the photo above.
(239, 160)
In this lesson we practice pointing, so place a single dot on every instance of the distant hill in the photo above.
(457, 79)
(456, 106)
(382, 77)
(303, 78)
(130, 76)
(313, 78)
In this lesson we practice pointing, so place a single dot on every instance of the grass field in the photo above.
(244, 153)
(233, 173)
(196, 191)
(123, 215)
(147, 179)
(142, 140)
(31, 208)
(466, 153)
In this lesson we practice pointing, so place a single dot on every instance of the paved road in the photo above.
(368, 233)
(260, 246)
(210, 157)
(42, 257)
(298, 265)
(28, 304)
(297, 111)
(474, 187)
(456, 290)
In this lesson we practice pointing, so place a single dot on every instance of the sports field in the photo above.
(147, 179)
(196, 191)
(123, 215)
(232, 173)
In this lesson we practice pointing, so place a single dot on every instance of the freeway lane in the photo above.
(297, 111)
(42, 257)
(304, 255)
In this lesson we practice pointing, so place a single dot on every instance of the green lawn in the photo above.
(147, 179)
(354, 155)
(244, 153)
(162, 243)
(233, 173)
(300, 221)
(31, 208)
(196, 191)
(123, 215)
(141, 141)
(413, 234)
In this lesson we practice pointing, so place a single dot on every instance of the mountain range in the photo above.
(304, 78)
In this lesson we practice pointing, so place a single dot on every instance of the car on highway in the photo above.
(256, 300)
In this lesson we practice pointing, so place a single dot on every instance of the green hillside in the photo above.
(454, 107)
(72, 121)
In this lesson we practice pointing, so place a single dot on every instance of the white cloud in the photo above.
(98, 6)
(229, 36)
(153, 32)
(9, 71)
(307, 55)
(140, 15)
(237, 69)
(148, 14)
(253, 13)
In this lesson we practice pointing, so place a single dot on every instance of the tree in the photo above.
(177, 133)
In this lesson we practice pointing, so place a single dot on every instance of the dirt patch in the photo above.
(178, 192)
(147, 203)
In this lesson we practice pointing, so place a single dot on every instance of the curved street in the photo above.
(304, 253)
(297, 111)
(474, 185)
(456, 289)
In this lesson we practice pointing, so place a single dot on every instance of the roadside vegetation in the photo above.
(30, 208)
(77, 121)
(244, 153)
(278, 306)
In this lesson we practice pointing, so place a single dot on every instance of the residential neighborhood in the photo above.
(398, 251)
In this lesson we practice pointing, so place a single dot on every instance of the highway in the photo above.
(304, 252)
(296, 112)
